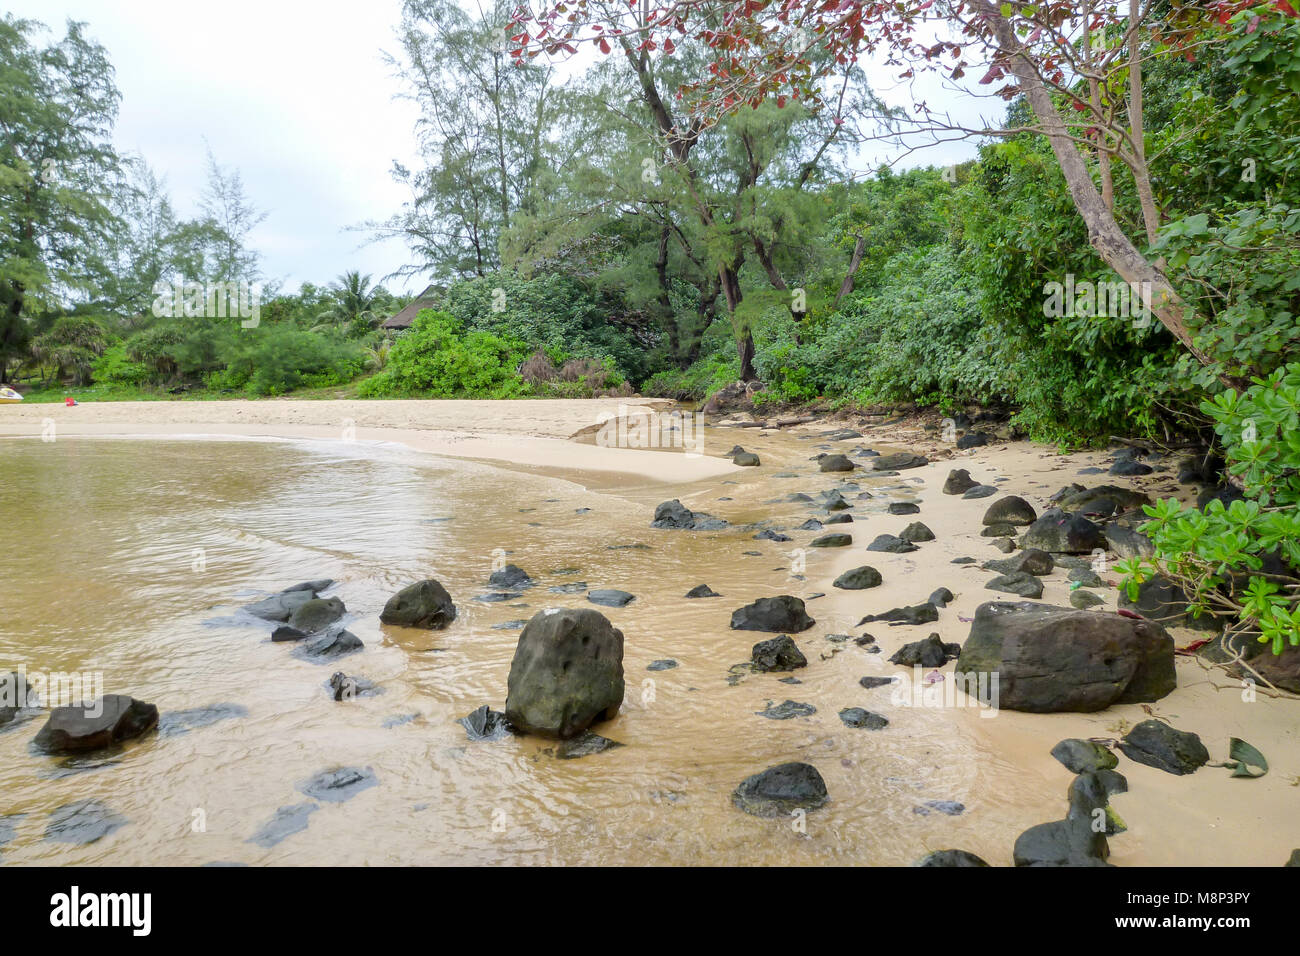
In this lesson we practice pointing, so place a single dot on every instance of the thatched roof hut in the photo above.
(428, 299)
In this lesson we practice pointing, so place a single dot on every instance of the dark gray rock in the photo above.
(835, 463)
(776, 615)
(1012, 510)
(702, 591)
(899, 462)
(836, 540)
(1017, 582)
(857, 579)
(584, 745)
(916, 531)
(1069, 842)
(278, 607)
(567, 673)
(780, 791)
(980, 491)
(959, 482)
(510, 577)
(940, 597)
(675, 516)
(860, 719)
(973, 440)
(316, 615)
(1163, 601)
(746, 459)
(610, 597)
(1060, 533)
(663, 664)
(787, 710)
(1155, 744)
(1084, 756)
(931, 652)
(950, 858)
(103, 723)
(423, 604)
(1128, 543)
(327, 647)
(485, 723)
(913, 614)
(892, 544)
(777, 654)
(903, 508)
(1051, 659)
(349, 687)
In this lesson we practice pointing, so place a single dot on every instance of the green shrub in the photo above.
(439, 358)
(114, 367)
(1241, 559)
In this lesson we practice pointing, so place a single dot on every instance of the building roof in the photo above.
(428, 299)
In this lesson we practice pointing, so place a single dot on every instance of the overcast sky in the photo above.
(294, 94)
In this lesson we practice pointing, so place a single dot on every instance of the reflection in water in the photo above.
(131, 559)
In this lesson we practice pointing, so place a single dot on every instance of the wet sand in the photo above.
(998, 767)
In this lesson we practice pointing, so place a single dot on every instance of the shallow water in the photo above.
(131, 558)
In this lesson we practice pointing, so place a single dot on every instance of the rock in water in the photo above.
(831, 541)
(278, 607)
(950, 858)
(15, 696)
(860, 719)
(584, 746)
(777, 654)
(485, 724)
(702, 591)
(1061, 843)
(328, 646)
(1050, 659)
(774, 614)
(675, 516)
(781, 790)
(931, 652)
(566, 674)
(314, 616)
(423, 604)
(109, 720)
(1156, 744)
(899, 462)
(510, 577)
(610, 597)
(836, 463)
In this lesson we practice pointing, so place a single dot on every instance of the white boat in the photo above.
(8, 396)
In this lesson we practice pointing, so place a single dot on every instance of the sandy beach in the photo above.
(1009, 780)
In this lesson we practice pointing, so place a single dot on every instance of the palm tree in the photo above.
(355, 301)
(72, 344)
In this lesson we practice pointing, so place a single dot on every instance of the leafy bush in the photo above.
(1243, 558)
(273, 360)
(439, 358)
(114, 367)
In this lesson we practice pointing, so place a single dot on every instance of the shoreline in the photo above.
(1009, 779)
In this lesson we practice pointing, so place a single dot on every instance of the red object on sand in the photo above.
(69, 401)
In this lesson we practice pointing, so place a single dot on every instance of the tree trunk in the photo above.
(847, 285)
(1104, 233)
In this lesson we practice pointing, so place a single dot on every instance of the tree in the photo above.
(482, 131)
(57, 165)
(229, 217)
(1079, 68)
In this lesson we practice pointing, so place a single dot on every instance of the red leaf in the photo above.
(604, 45)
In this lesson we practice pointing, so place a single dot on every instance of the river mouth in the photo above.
(131, 560)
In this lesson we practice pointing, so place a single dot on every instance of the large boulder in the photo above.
(567, 673)
(107, 721)
(1048, 659)
(774, 614)
(1069, 842)
(781, 790)
(423, 604)
(958, 482)
(858, 579)
(835, 463)
(1058, 532)
(777, 654)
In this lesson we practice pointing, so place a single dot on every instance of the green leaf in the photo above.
(1243, 758)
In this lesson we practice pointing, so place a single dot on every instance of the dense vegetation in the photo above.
(585, 238)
